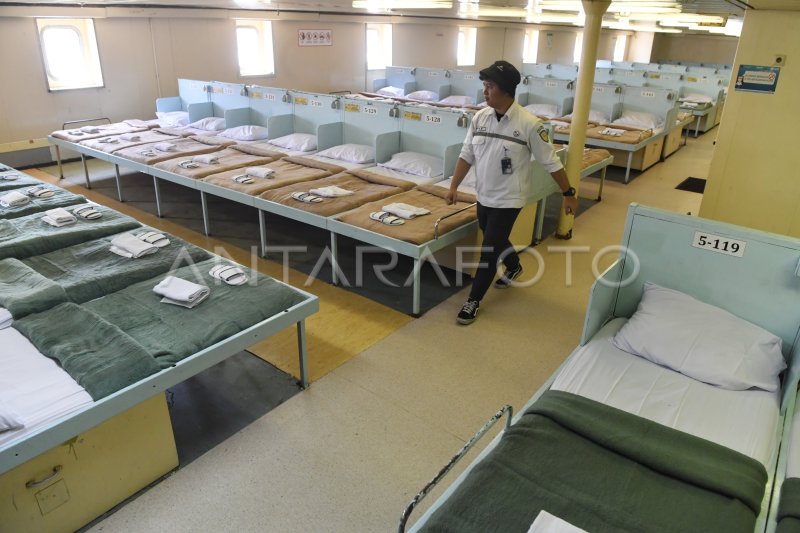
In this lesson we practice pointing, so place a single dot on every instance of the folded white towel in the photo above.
(547, 523)
(56, 223)
(164, 146)
(259, 172)
(181, 292)
(330, 192)
(5, 318)
(613, 132)
(130, 246)
(133, 137)
(61, 215)
(206, 159)
(404, 210)
(13, 199)
(90, 129)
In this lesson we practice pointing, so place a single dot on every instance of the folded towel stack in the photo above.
(132, 137)
(130, 246)
(259, 172)
(5, 318)
(405, 210)
(13, 199)
(330, 192)
(59, 217)
(164, 146)
(613, 132)
(90, 129)
(206, 159)
(181, 292)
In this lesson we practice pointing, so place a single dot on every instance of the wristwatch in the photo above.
(569, 192)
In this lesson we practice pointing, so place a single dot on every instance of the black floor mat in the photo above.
(692, 185)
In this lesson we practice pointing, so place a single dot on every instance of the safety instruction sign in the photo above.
(757, 78)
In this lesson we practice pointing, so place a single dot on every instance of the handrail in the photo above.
(506, 409)
(436, 225)
(64, 125)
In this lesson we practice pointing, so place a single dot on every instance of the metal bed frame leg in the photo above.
(416, 289)
(697, 127)
(60, 167)
(119, 183)
(302, 349)
(628, 167)
(206, 222)
(334, 259)
(602, 181)
(539, 222)
(157, 189)
(262, 230)
(86, 171)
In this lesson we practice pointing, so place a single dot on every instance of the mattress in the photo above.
(34, 386)
(396, 174)
(744, 421)
(344, 164)
(463, 188)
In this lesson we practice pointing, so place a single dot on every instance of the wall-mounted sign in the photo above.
(315, 37)
(757, 79)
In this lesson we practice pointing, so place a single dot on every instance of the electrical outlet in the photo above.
(779, 60)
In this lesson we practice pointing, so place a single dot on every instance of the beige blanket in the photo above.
(286, 173)
(631, 135)
(590, 155)
(228, 159)
(366, 187)
(104, 130)
(419, 230)
(116, 144)
(566, 129)
(257, 149)
(149, 155)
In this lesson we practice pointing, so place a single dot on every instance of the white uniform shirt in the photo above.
(520, 136)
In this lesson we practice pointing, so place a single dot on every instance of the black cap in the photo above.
(504, 74)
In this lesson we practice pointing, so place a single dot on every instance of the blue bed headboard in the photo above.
(363, 120)
(539, 70)
(466, 83)
(267, 102)
(760, 285)
(604, 74)
(402, 77)
(622, 65)
(673, 68)
(433, 79)
(607, 97)
(560, 93)
(660, 102)
(189, 92)
(713, 87)
(563, 72)
(312, 110)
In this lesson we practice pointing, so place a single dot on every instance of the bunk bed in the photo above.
(710, 451)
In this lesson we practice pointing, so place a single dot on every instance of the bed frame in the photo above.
(402, 77)
(433, 79)
(762, 285)
(466, 83)
(558, 92)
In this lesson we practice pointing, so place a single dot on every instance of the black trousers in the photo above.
(496, 224)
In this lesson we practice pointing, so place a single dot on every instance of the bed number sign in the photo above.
(649, 94)
(316, 103)
(716, 243)
(433, 119)
(550, 84)
(369, 110)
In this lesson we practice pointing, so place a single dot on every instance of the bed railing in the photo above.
(506, 409)
(436, 225)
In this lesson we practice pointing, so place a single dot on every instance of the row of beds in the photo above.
(677, 411)
(83, 337)
(297, 168)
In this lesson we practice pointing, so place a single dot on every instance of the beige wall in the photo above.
(640, 47)
(556, 46)
(753, 179)
(702, 48)
(424, 45)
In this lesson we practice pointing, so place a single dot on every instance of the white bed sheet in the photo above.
(347, 165)
(463, 188)
(413, 178)
(34, 386)
(744, 421)
(289, 152)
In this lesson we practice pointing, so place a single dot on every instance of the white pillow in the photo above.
(391, 91)
(353, 153)
(701, 341)
(173, 118)
(698, 98)
(458, 100)
(543, 110)
(9, 419)
(209, 124)
(415, 163)
(598, 117)
(245, 133)
(638, 119)
(302, 142)
(423, 96)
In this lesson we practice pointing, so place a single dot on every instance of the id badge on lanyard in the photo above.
(505, 163)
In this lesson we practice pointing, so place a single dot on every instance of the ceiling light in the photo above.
(677, 17)
(401, 4)
(624, 25)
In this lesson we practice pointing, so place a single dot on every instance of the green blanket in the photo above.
(60, 198)
(23, 181)
(789, 506)
(27, 236)
(24, 291)
(171, 333)
(89, 270)
(100, 357)
(604, 470)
